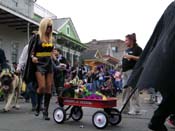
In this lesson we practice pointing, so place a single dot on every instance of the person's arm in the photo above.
(132, 57)
(34, 41)
(136, 55)
(23, 58)
(54, 58)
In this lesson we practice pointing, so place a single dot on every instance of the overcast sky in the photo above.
(109, 19)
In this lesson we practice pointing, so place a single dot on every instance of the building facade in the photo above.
(113, 48)
(24, 7)
(16, 25)
(19, 18)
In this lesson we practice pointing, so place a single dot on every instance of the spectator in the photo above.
(59, 70)
(3, 61)
(129, 60)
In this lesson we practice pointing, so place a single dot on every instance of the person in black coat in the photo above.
(39, 65)
(156, 67)
(3, 63)
(2, 58)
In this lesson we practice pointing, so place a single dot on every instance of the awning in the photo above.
(96, 62)
(111, 59)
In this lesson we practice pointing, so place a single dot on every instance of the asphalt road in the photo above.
(24, 119)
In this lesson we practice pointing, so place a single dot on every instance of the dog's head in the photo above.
(6, 78)
(80, 91)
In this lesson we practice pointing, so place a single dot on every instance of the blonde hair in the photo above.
(42, 29)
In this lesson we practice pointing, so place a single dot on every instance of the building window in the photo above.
(75, 58)
(115, 48)
(65, 54)
(16, 2)
(14, 53)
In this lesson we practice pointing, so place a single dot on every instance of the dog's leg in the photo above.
(17, 92)
(9, 101)
(16, 105)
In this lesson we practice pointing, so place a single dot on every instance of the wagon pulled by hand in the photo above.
(100, 118)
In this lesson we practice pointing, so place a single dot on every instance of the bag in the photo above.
(23, 87)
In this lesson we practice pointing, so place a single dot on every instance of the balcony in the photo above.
(41, 12)
(28, 8)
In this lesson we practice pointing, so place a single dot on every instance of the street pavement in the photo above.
(24, 119)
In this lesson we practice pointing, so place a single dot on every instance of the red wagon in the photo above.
(100, 118)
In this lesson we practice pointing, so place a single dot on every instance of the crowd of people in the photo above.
(45, 71)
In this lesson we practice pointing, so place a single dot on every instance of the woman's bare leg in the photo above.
(40, 90)
(41, 82)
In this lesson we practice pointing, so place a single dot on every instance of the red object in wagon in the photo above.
(96, 103)
(67, 85)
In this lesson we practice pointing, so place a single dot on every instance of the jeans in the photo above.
(95, 85)
(31, 90)
(118, 85)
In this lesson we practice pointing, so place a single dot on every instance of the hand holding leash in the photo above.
(17, 72)
(34, 59)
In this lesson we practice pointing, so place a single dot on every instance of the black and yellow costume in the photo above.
(43, 52)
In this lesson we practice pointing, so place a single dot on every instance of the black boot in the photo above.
(39, 100)
(46, 106)
(157, 127)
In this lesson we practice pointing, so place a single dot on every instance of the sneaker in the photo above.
(132, 113)
(171, 123)
(125, 112)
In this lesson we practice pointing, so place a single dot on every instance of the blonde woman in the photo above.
(39, 63)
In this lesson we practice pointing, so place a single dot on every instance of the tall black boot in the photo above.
(39, 100)
(46, 106)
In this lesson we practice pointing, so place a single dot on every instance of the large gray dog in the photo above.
(10, 85)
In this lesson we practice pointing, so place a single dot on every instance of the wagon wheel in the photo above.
(100, 119)
(59, 115)
(114, 116)
(76, 113)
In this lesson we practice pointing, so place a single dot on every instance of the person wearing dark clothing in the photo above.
(59, 70)
(39, 65)
(3, 57)
(80, 72)
(131, 56)
(95, 79)
(31, 93)
(156, 67)
(31, 89)
(3, 63)
(127, 63)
